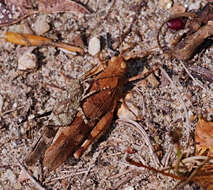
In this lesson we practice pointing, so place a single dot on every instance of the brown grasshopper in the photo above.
(98, 107)
(63, 113)
(99, 110)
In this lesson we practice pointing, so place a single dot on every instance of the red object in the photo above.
(176, 24)
(130, 150)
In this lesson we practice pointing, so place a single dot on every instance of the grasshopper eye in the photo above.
(123, 65)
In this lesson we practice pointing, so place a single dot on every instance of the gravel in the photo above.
(24, 95)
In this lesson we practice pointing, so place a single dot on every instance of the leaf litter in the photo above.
(166, 107)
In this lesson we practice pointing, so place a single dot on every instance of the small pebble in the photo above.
(41, 25)
(36, 172)
(165, 4)
(178, 8)
(194, 6)
(18, 186)
(94, 46)
(21, 28)
(128, 110)
(129, 188)
(27, 61)
(10, 176)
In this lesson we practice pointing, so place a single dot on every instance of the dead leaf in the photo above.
(204, 145)
(204, 137)
(204, 178)
(61, 6)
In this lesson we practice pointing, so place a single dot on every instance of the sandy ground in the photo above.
(164, 105)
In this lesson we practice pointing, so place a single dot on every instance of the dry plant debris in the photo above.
(199, 168)
(33, 40)
(204, 137)
(12, 11)
(200, 27)
(168, 101)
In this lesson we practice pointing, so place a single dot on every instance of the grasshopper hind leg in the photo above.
(96, 133)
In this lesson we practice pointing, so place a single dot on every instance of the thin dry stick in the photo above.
(124, 180)
(181, 101)
(141, 131)
(71, 174)
(142, 101)
(196, 159)
(193, 174)
(34, 40)
(132, 166)
(12, 110)
(91, 164)
(196, 81)
(120, 174)
(137, 164)
(19, 19)
(34, 181)
(165, 159)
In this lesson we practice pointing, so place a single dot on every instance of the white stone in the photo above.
(10, 176)
(94, 46)
(165, 4)
(41, 25)
(21, 28)
(129, 188)
(4, 151)
(194, 6)
(27, 61)
(128, 110)
(36, 172)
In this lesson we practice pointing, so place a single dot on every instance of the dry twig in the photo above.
(165, 159)
(33, 180)
(181, 101)
(196, 81)
(142, 132)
